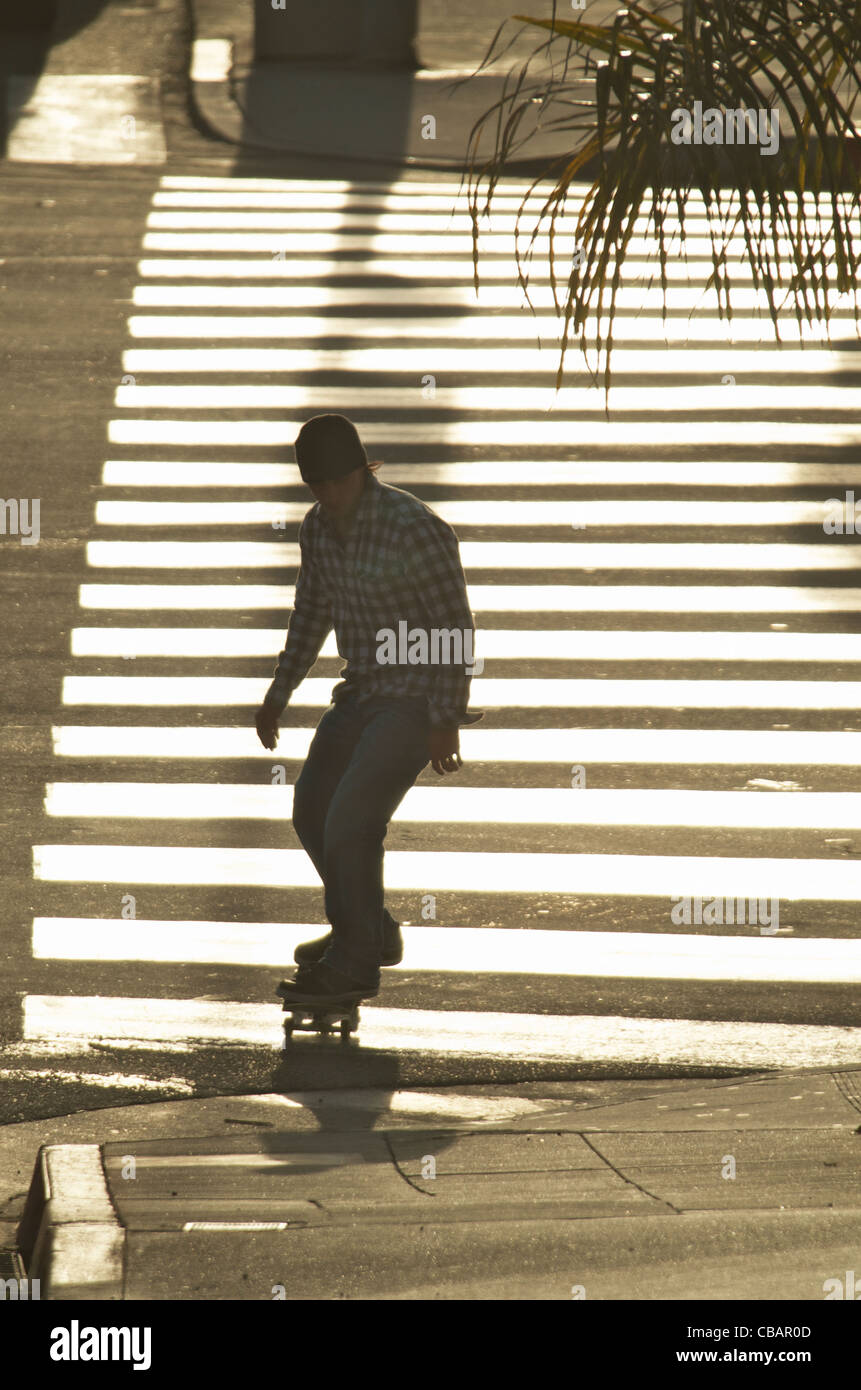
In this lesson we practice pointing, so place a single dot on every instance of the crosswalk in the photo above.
(668, 625)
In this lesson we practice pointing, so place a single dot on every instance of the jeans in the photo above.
(362, 761)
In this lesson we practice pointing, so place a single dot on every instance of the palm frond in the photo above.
(795, 210)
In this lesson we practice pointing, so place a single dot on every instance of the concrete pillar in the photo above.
(357, 33)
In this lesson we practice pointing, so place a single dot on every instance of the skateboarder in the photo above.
(371, 556)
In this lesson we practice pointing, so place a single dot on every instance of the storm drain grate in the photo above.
(849, 1085)
(240, 1225)
(10, 1265)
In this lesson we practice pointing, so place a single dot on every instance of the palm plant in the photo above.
(796, 207)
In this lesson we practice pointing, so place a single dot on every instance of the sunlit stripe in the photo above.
(588, 400)
(304, 269)
(476, 325)
(503, 644)
(366, 203)
(516, 1037)
(478, 555)
(351, 187)
(566, 747)
(633, 296)
(529, 473)
(280, 239)
(497, 694)
(361, 189)
(643, 326)
(190, 554)
(323, 197)
(378, 206)
(612, 434)
(611, 512)
(309, 271)
(190, 596)
(376, 221)
(645, 808)
(618, 875)
(640, 267)
(503, 598)
(462, 950)
(486, 359)
(211, 61)
(301, 228)
(289, 233)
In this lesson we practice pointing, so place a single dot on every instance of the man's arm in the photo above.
(438, 581)
(309, 625)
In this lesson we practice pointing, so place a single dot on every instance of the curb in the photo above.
(271, 108)
(220, 80)
(70, 1238)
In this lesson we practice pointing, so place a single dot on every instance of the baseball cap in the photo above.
(328, 447)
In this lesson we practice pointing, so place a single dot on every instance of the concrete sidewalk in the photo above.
(420, 118)
(685, 1190)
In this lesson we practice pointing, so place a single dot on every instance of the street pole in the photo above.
(355, 33)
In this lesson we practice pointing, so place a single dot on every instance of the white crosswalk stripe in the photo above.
(490, 513)
(505, 1036)
(511, 693)
(746, 328)
(629, 955)
(619, 433)
(558, 644)
(491, 745)
(725, 458)
(662, 876)
(506, 598)
(490, 555)
(527, 473)
(643, 806)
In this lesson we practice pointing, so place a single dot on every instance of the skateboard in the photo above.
(321, 1018)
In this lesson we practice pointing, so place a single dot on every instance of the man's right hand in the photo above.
(266, 720)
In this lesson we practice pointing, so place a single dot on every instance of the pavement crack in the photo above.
(848, 1086)
(254, 1124)
(653, 1196)
(407, 1179)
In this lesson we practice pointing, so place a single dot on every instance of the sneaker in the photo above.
(319, 984)
(310, 952)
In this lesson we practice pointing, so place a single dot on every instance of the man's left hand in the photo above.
(444, 750)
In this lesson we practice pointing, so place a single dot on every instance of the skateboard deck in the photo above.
(321, 1018)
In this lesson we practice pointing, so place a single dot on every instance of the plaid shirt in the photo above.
(400, 562)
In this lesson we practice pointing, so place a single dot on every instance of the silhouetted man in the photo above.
(372, 557)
